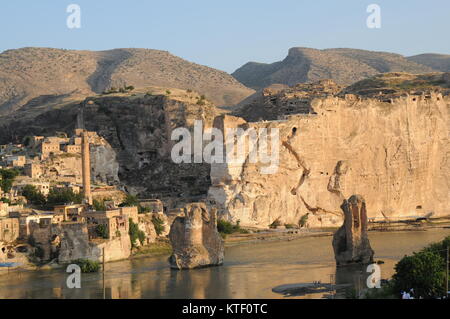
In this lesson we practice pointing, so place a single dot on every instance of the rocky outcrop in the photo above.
(393, 150)
(351, 243)
(195, 240)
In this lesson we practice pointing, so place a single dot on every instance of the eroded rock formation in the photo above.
(195, 240)
(392, 148)
(351, 243)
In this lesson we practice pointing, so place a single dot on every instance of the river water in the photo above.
(249, 271)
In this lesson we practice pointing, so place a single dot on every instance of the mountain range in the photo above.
(32, 77)
(344, 66)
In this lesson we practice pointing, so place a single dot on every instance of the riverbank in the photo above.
(162, 247)
(293, 234)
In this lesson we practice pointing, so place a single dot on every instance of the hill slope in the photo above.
(439, 62)
(344, 66)
(31, 76)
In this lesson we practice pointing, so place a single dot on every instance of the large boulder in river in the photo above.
(195, 240)
(351, 243)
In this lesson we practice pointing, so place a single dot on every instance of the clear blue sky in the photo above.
(226, 34)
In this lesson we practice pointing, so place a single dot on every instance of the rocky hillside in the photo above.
(344, 66)
(138, 126)
(395, 84)
(439, 62)
(34, 76)
(277, 101)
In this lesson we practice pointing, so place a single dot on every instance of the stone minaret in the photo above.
(86, 167)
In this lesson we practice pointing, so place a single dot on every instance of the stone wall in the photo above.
(70, 241)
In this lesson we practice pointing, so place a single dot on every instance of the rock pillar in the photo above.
(195, 240)
(351, 243)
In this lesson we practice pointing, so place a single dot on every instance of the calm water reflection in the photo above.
(250, 271)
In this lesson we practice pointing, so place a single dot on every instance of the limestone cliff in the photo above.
(394, 151)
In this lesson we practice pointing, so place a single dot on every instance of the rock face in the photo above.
(351, 243)
(392, 149)
(104, 165)
(195, 240)
(137, 131)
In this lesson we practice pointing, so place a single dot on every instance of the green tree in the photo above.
(130, 201)
(6, 185)
(423, 272)
(9, 173)
(439, 248)
(159, 225)
(63, 196)
(135, 233)
(33, 196)
(5, 200)
(303, 220)
(87, 265)
(99, 205)
(8, 176)
(102, 231)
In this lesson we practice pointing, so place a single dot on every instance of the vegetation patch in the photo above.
(101, 231)
(87, 266)
(276, 223)
(303, 220)
(158, 223)
(135, 234)
(226, 228)
(160, 248)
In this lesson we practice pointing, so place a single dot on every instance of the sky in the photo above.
(227, 34)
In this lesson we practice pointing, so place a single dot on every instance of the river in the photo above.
(249, 271)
